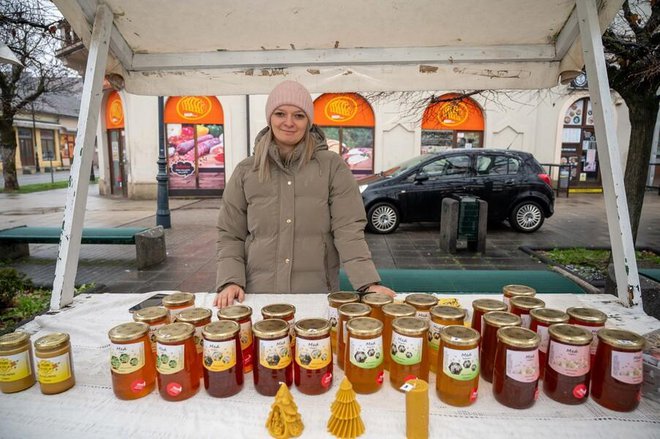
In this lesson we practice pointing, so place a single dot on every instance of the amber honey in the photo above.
(493, 321)
(457, 379)
(522, 305)
(198, 317)
(272, 353)
(131, 361)
(155, 317)
(364, 354)
(16, 367)
(422, 304)
(511, 291)
(346, 313)
(567, 372)
(481, 307)
(312, 369)
(223, 358)
(409, 356)
(590, 319)
(176, 363)
(286, 312)
(441, 316)
(390, 312)
(241, 314)
(54, 363)
(177, 302)
(335, 300)
(376, 301)
(541, 318)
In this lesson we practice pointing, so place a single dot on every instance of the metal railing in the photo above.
(560, 175)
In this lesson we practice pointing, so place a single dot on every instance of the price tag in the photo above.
(407, 387)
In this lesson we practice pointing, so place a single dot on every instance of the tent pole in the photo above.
(616, 204)
(76, 198)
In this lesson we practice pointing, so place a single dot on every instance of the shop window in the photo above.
(578, 148)
(47, 144)
(452, 122)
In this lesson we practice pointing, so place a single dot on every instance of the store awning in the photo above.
(40, 125)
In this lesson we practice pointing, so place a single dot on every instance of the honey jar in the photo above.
(522, 305)
(198, 317)
(155, 317)
(176, 362)
(335, 300)
(422, 303)
(516, 370)
(390, 312)
(364, 354)
(566, 378)
(481, 307)
(617, 375)
(408, 351)
(312, 369)
(590, 319)
(285, 312)
(457, 380)
(131, 361)
(541, 318)
(223, 358)
(241, 314)
(54, 363)
(16, 367)
(178, 302)
(346, 313)
(493, 321)
(511, 291)
(441, 316)
(376, 301)
(272, 352)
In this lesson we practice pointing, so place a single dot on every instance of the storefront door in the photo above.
(26, 146)
(578, 148)
(117, 156)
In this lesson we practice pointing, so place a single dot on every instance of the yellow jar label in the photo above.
(54, 370)
(14, 367)
(246, 334)
(461, 365)
(126, 358)
(313, 354)
(152, 335)
(219, 355)
(366, 354)
(199, 340)
(434, 335)
(170, 359)
(275, 354)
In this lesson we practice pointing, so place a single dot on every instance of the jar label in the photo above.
(526, 320)
(461, 365)
(152, 335)
(627, 367)
(333, 317)
(434, 335)
(275, 354)
(594, 342)
(522, 366)
(568, 360)
(170, 359)
(14, 367)
(199, 340)
(366, 354)
(126, 358)
(426, 315)
(542, 331)
(54, 370)
(246, 334)
(219, 355)
(406, 350)
(313, 354)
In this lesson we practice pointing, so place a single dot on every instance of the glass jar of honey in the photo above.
(176, 362)
(590, 319)
(54, 363)
(347, 312)
(422, 304)
(511, 291)
(198, 317)
(481, 307)
(131, 361)
(241, 314)
(392, 311)
(177, 302)
(364, 354)
(286, 312)
(617, 375)
(335, 300)
(155, 317)
(493, 321)
(457, 380)
(516, 370)
(522, 305)
(566, 378)
(540, 319)
(376, 301)
(16, 367)
(223, 358)
(441, 316)
(272, 352)
(312, 369)
(408, 351)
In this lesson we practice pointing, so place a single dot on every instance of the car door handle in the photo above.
(509, 182)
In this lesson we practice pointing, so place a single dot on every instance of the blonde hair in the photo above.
(261, 156)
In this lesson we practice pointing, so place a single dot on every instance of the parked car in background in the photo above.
(513, 183)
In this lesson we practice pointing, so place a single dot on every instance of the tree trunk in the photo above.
(8, 151)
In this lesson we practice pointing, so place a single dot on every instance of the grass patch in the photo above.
(39, 187)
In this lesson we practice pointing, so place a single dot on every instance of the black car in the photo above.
(513, 183)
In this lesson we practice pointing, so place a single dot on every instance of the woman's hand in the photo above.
(227, 295)
(381, 289)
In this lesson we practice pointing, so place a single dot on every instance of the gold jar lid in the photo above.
(174, 332)
(221, 330)
(621, 339)
(178, 299)
(399, 310)
(570, 334)
(270, 329)
(549, 316)
(587, 315)
(14, 340)
(411, 326)
(377, 299)
(487, 305)
(354, 310)
(278, 311)
(459, 335)
(518, 290)
(312, 327)
(128, 331)
(52, 341)
(194, 315)
(519, 337)
(450, 313)
(151, 314)
(500, 319)
(424, 301)
(365, 327)
(340, 297)
(234, 312)
(527, 302)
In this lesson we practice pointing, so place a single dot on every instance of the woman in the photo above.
(291, 212)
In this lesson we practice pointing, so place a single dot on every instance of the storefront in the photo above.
(452, 122)
(578, 145)
(195, 146)
(114, 124)
(67, 145)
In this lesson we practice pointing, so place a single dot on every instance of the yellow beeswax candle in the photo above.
(417, 409)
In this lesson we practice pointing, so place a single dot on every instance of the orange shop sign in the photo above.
(194, 109)
(348, 109)
(114, 112)
(457, 114)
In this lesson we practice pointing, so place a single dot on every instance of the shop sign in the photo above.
(184, 169)
(114, 112)
(452, 113)
(341, 109)
(193, 108)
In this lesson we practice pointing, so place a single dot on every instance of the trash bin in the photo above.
(564, 176)
(463, 223)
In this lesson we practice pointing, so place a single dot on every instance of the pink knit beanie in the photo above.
(290, 93)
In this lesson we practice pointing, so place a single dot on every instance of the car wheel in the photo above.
(382, 218)
(527, 217)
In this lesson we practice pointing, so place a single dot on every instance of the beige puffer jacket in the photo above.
(288, 234)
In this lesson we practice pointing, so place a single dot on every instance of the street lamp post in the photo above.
(163, 207)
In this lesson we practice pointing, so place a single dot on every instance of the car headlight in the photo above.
(362, 187)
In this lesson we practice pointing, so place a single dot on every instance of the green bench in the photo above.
(149, 242)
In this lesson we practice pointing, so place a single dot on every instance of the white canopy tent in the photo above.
(204, 47)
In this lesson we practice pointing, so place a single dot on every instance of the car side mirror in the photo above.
(422, 176)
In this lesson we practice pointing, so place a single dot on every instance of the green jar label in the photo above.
(366, 354)
(406, 350)
(461, 365)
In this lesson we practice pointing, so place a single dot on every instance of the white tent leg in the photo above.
(616, 205)
(76, 199)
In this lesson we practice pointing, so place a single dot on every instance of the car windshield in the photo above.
(405, 166)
